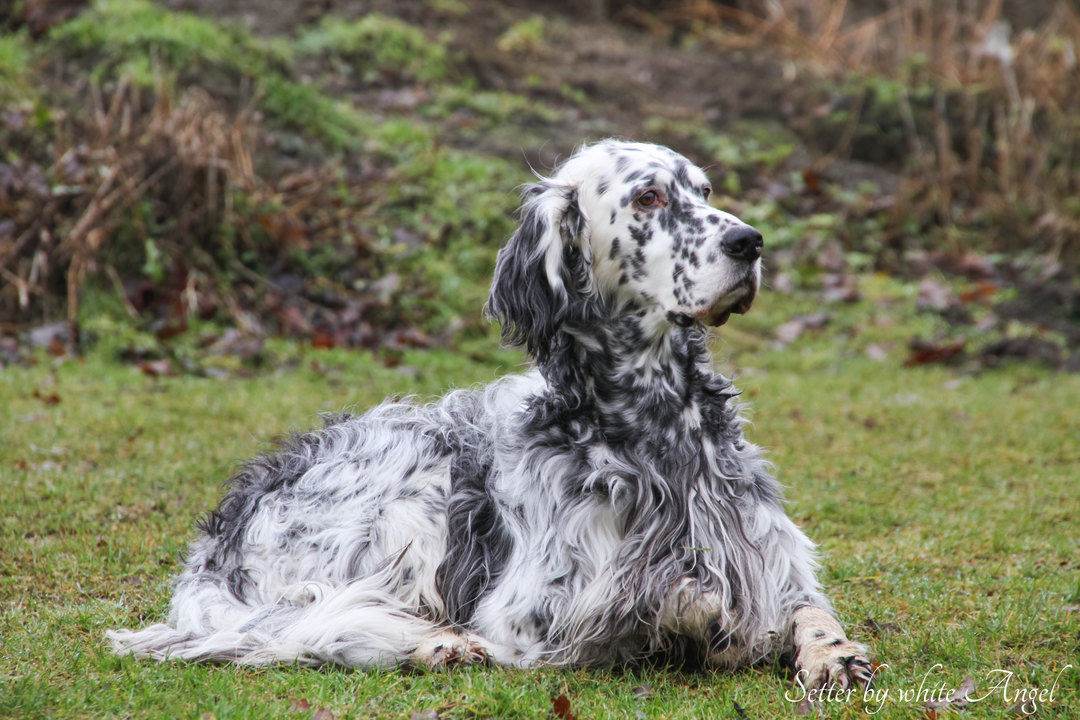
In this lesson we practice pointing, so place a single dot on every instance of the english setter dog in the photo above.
(600, 509)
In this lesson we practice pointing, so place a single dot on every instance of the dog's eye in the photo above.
(648, 199)
(706, 191)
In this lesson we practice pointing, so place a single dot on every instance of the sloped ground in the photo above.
(355, 196)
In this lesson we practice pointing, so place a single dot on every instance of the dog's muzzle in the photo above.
(737, 301)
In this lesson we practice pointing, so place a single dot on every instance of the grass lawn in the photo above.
(947, 507)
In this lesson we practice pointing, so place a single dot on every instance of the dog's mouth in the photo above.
(736, 301)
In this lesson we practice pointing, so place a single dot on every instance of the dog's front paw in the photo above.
(447, 649)
(824, 655)
(841, 664)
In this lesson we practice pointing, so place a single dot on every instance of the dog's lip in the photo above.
(737, 301)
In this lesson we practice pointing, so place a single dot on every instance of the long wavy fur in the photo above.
(600, 509)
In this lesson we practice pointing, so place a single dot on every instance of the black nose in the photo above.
(742, 243)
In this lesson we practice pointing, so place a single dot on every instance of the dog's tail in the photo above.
(355, 625)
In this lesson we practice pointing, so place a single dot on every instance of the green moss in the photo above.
(305, 109)
(121, 29)
(15, 59)
(377, 46)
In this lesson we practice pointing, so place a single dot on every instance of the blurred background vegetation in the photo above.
(343, 171)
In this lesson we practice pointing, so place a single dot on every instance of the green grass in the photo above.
(946, 506)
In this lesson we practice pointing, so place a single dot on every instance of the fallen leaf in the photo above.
(790, 331)
(424, 715)
(980, 292)
(561, 707)
(876, 629)
(49, 398)
(957, 701)
(924, 352)
(300, 705)
(155, 368)
(877, 353)
(934, 296)
(171, 328)
(643, 692)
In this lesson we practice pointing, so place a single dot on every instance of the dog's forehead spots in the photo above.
(682, 173)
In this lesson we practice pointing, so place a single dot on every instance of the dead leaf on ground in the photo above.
(790, 331)
(877, 353)
(981, 292)
(49, 398)
(935, 296)
(876, 629)
(925, 352)
(155, 368)
(957, 701)
(561, 707)
(841, 288)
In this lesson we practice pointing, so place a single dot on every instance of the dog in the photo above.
(602, 509)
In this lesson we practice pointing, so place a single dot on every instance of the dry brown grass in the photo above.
(135, 167)
(180, 160)
(989, 111)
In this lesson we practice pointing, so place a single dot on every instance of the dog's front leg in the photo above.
(696, 613)
(823, 654)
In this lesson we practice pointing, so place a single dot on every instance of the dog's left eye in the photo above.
(706, 191)
(648, 199)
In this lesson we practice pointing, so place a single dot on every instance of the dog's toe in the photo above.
(840, 663)
(448, 649)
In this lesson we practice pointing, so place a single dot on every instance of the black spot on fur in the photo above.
(477, 544)
(263, 477)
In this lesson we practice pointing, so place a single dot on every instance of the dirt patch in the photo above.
(602, 79)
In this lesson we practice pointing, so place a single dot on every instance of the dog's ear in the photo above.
(529, 294)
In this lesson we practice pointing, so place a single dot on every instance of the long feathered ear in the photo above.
(529, 296)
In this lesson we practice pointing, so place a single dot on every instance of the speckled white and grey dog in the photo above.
(600, 509)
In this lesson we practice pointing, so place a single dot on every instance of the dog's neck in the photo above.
(627, 381)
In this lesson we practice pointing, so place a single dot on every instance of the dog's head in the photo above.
(622, 228)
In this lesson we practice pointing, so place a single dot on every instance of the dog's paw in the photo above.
(448, 649)
(841, 664)
(824, 655)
